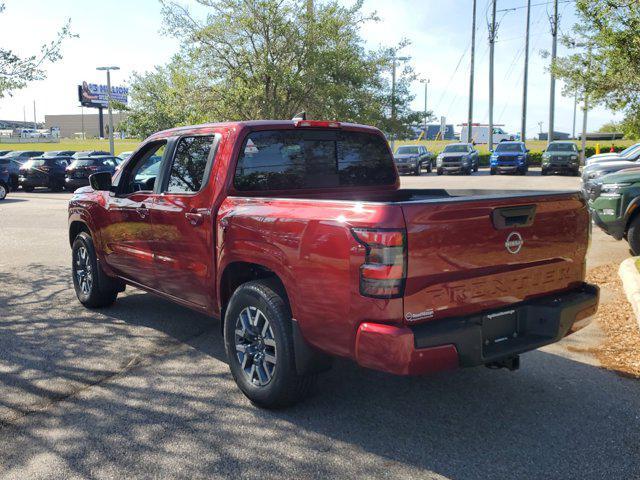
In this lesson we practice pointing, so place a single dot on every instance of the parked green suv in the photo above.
(561, 157)
(614, 200)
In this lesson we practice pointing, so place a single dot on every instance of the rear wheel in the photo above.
(259, 345)
(93, 288)
(492, 171)
(4, 189)
(439, 171)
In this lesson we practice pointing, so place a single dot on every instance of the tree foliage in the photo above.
(252, 59)
(605, 64)
(16, 71)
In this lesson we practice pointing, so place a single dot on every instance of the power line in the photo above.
(512, 9)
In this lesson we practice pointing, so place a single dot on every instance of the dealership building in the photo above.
(72, 126)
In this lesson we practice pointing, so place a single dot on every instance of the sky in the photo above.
(127, 33)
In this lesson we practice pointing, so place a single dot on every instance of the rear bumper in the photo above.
(34, 182)
(464, 342)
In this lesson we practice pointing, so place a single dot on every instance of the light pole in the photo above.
(108, 69)
(426, 83)
(393, 96)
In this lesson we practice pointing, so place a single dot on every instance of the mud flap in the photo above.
(308, 359)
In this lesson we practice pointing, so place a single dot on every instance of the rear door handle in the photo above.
(194, 218)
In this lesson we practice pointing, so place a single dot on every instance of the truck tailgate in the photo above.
(484, 252)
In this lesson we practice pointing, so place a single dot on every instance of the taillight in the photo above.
(384, 270)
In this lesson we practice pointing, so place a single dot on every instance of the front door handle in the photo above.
(194, 218)
(143, 211)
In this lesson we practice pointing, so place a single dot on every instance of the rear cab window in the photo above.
(313, 159)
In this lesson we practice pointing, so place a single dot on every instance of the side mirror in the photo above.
(527, 150)
(100, 181)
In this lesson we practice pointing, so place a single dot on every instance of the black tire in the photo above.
(476, 166)
(283, 387)
(429, 167)
(633, 236)
(417, 171)
(93, 287)
(439, 171)
(492, 171)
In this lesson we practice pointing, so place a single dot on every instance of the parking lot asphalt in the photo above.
(141, 389)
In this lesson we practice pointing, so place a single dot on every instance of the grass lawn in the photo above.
(73, 144)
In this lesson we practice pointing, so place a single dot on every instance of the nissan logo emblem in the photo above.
(514, 242)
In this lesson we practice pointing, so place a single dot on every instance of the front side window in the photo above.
(297, 159)
(190, 164)
(138, 175)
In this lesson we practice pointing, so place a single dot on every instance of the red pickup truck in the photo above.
(297, 235)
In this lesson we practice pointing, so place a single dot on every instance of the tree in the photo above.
(252, 59)
(605, 68)
(16, 72)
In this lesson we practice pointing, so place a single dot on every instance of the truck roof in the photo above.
(210, 127)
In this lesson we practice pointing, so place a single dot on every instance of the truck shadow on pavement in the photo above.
(141, 389)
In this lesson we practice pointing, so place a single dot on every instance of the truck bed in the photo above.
(410, 195)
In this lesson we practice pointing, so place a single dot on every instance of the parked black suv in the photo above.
(13, 161)
(44, 172)
(5, 186)
(77, 173)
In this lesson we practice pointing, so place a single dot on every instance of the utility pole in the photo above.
(584, 130)
(35, 123)
(426, 83)
(575, 107)
(523, 126)
(108, 69)
(492, 40)
(552, 89)
(473, 52)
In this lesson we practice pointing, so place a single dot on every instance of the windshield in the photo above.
(407, 151)
(562, 147)
(455, 148)
(509, 147)
(151, 171)
(13, 154)
(51, 154)
(85, 163)
(629, 150)
(34, 163)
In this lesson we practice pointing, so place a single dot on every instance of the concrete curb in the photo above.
(631, 282)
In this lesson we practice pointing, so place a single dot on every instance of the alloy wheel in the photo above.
(83, 271)
(255, 346)
(3, 192)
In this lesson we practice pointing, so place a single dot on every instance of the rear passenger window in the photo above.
(189, 164)
(295, 159)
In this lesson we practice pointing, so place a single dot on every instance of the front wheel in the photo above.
(258, 341)
(439, 171)
(633, 236)
(93, 288)
(4, 189)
